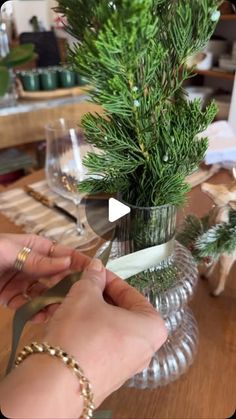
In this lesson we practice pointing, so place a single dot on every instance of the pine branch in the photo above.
(217, 240)
(166, 279)
(206, 241)
(189, 232)
(134, 54)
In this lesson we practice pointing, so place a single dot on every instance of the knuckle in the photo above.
(36, 260)
(157, 332)
(79, 261)
(74, 258)
(92, 283)
(76, 287)
(32, 239)
(124, 294)
(145, 365)
(161, 333)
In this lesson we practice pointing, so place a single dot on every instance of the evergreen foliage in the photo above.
(206, 241)
(134, 54)
(218, 239)
(167, 277)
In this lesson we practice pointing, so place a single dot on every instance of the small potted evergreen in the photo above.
(134, 55)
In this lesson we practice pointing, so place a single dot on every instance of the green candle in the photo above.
(66, 77)
(30, 81)
(48, 79)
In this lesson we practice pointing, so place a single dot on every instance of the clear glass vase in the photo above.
(169, 287)
(177, 354)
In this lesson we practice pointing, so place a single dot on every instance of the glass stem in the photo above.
(79, 225)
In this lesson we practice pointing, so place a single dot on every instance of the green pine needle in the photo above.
(165, 278)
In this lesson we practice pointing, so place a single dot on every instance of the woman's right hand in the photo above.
(111, 342)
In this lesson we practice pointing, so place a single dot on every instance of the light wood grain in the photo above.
(227, 75)
(50, 94)
(208, 390)
(28, 127)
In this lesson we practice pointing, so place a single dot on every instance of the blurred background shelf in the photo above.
(214, 73)
(228, 17)
(24, 123)
(216, 66)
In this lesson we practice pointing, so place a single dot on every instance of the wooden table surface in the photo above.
(208, 390)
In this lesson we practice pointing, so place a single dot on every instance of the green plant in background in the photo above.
(134, 53)
(16, 57)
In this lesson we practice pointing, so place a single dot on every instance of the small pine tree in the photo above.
(206, 241)
(134, 54)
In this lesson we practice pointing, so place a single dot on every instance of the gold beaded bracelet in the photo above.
(85, 386)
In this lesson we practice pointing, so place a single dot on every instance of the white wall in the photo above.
(23, 10)
(51, 4)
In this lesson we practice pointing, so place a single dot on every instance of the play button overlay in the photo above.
(103, 214)
(117, 210)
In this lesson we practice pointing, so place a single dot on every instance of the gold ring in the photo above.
(21, 258)
(52, 249)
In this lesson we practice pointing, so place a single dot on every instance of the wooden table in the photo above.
(208, 390)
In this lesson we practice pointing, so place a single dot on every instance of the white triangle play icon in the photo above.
(117, 210)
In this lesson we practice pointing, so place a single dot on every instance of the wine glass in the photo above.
(66, 149)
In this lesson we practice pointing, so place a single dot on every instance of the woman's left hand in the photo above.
(46, 260)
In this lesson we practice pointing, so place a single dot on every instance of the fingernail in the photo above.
(95, 265)
(67, 261)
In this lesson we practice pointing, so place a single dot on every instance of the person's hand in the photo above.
(110, 342)
(17, 287)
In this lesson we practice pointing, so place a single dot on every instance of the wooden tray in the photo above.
(51, 94)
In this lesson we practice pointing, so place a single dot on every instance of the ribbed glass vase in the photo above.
(168, 286)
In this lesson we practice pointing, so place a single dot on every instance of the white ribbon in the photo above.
(137, 262)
